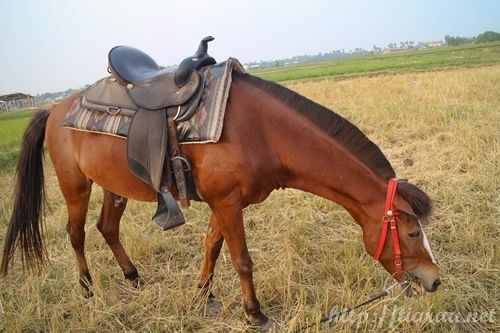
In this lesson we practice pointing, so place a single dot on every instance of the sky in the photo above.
(53, 45)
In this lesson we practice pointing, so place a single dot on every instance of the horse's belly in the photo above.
(103, 159)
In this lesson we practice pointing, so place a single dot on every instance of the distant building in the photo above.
(436, 43)
(249, 67)
(16, 101)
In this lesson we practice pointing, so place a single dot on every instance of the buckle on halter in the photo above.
(392, 222)
(398, 261)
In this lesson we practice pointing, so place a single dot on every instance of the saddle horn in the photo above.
(195, 62)
(203, 47)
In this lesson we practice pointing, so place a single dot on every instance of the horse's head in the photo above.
(416, 267)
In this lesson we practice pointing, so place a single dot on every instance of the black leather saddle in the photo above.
(154, 88)
(132, 65)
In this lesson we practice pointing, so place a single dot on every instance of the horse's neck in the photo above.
(316, 163)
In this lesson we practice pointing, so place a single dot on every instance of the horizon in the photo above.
(58, 45)
(349, 53)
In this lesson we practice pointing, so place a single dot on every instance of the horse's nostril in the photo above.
(436, 284)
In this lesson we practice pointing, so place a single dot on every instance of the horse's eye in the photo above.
(414, 234)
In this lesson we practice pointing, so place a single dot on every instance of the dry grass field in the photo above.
(439, 129)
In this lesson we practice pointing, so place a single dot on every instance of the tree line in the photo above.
(487, 36)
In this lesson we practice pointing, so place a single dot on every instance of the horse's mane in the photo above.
(338, 128)
(345, 133)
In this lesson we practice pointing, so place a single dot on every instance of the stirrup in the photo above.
(168, 215)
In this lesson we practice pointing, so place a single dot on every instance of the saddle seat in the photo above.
(131, 65)
(151, 87)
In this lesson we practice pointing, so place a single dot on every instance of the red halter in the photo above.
(390, 220)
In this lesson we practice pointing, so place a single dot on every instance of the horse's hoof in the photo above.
(212, 307)
(138, 283)
(134, 279)
(263, 323)
(87, 293)
(270, 326)
(86, 283)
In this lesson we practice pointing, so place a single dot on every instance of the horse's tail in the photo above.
(25, 227)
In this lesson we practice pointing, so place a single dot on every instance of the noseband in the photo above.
(389, 220)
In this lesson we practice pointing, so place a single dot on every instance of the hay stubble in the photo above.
(439, 130)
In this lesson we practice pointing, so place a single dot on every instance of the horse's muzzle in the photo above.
(414, 286)
(435, 285)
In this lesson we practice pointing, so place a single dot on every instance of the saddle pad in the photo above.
(205, 126)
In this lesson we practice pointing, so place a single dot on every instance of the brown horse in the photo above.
(272, 138)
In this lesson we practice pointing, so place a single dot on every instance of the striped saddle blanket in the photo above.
(106, 108)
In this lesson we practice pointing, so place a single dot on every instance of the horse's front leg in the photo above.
(229, 219)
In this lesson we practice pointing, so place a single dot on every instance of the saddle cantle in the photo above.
(152, 147)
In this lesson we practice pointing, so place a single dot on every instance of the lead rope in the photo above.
(338, 314)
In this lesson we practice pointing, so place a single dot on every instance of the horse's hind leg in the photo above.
(213, 245)
(77, 200)
(109, 226)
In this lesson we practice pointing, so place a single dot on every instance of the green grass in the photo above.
(469, 55)
(12, 126)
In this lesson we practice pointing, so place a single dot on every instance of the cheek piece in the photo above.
(389, 220)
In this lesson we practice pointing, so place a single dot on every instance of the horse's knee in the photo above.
(243, 266)
(71, 230)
